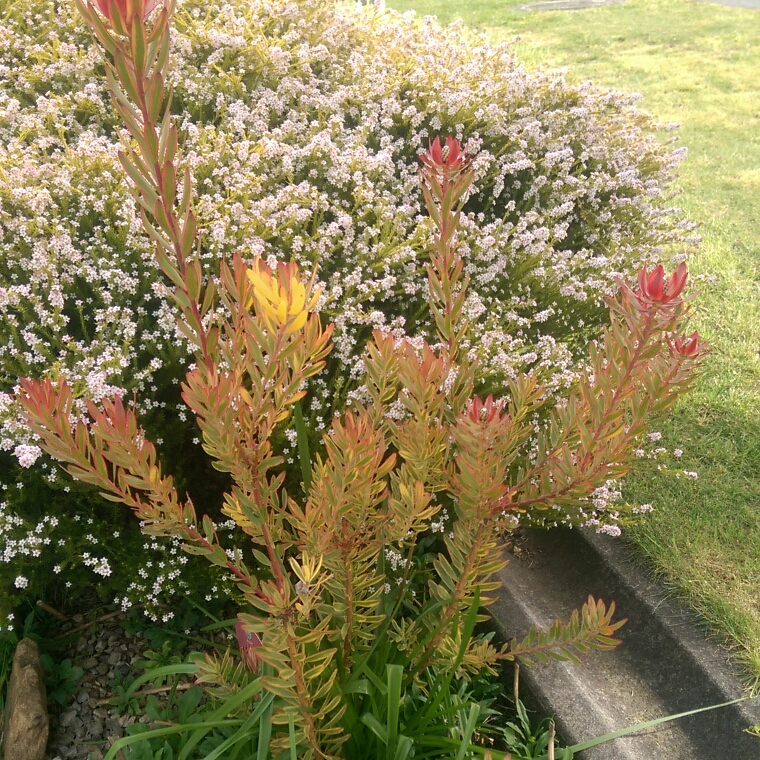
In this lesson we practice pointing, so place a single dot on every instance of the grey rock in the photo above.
(90, 663)
(83, 696)
(81, 644)
(115, 658)
(79, 734)
(27, 725)
(67, 718)
(95, 728)
(102, 669)
(100, 712)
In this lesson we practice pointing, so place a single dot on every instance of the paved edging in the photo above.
(665, 665)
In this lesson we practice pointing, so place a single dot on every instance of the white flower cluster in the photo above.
(27, 455)
(18, 539)
(161, 578)
(99, 565)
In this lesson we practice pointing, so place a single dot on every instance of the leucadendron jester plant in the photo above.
(344, 604)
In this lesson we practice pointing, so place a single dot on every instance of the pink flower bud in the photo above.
(484, 411)
(126, 9)
(688, 346)
(447, 159)
(653, 289)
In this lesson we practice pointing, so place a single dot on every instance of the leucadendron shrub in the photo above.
(301, 123)
(343, 611)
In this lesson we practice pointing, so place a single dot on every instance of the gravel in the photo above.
(80, 729)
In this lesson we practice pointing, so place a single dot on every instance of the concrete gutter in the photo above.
(665, 665)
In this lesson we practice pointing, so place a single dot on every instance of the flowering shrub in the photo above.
(348, 597)
(301, 124)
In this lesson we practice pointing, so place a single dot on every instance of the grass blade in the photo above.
(393, 676)
(469, 729)
(647, 724)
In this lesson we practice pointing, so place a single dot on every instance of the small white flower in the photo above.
(21, 582)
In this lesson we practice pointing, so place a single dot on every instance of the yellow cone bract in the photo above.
(281, 299)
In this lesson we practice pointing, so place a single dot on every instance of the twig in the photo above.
(52, 611)
(551, 740)
(85, 626)
(119, 753)
(516, 683)
(147, 692)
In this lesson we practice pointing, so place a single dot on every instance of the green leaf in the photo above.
(469, 729)
(188, 702)
(139, 46)
(376, 727)
(393, 677)
(142, 735)
(265, 730)
(244, 731)
(229, 706)
(292, 736)
(403, 749)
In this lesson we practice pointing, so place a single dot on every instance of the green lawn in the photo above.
(697, 64)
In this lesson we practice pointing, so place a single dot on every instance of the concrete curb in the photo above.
(665, 665)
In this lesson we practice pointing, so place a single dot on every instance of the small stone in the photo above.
(100, 712)
(81, 644)
(100, 646)
(90, 663)
(67, 718)
(95, 728)
(144, 719)
(83, 696)
(79, 733)
(113, 728)
(126, 720)
(115, 658)
(93, 703)
(26, 720)
(113, 639)
(102, 669)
